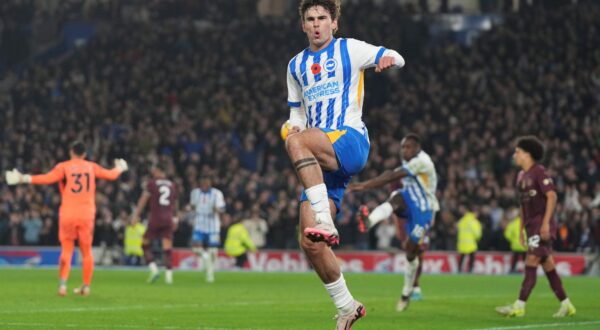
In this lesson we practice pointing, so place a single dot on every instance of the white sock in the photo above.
(153, 267)
(169, 276)
(380, 213)
(208, 266)
(409, 277)
(339, 293)
(214, 254)
(519, 304)
(317, 196)
(565, 302)
(416, 289)
(199, 258)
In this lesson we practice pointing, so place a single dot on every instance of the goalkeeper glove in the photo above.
(15, 177)
(121, 164)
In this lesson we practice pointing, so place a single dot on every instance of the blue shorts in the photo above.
(417, 220)
(206, 239)
(352, 151)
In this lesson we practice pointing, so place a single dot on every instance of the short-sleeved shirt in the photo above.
(205, 202)
(421, 183)
(329, 84)
(533, 186)
(163, 194)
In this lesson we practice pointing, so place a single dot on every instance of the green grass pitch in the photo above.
(121, 299)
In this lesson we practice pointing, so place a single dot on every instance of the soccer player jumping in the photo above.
(77, 184)
(538, 200)
(328, 141)
(415, 202)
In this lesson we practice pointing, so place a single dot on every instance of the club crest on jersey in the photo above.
(547, 181)
(532, 192)
(315, 68)
(330, 65)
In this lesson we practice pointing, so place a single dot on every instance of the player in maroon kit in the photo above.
(537, 196)
(162, 195)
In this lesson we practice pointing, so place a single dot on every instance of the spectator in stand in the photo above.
(257, 227)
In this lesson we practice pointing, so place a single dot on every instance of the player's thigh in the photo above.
(213, 240)
(318, 143)
(85, 232)
(167, 243)
(152, 233)
(532, 260)
(548, 264)
(412, 249)
(67, 230)
(166, 235)
(396, 199)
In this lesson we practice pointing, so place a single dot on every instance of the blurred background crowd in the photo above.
(200, 86)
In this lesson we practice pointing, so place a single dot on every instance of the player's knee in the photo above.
(293, 143)
(309, 247)
(86, 251)
(66, 257)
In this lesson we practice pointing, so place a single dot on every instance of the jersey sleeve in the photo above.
(293, 85)
(545, 182)
(106, 174)
(55, 175)
(364, 55)
(148, 187)
(220, 200)
(194, 197)
(297, 114)
(414, 166)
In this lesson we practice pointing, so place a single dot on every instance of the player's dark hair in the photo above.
(78, 148)
(158, 166)
(332, 6)
(533, 146)
(414, 137)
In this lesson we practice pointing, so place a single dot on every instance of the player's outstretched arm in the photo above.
(391, 58)
(16, 177)
(112, 174)
(379, 181)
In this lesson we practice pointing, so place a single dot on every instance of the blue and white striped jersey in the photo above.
(206, 219)
(329, 84)
(421, 183)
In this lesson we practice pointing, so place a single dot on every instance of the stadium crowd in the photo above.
(207, 96)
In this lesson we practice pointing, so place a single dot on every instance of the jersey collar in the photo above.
(319, 52)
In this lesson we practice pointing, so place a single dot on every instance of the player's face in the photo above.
(519, 157)
(318, 26)
(204, 184)
(409, 149)
(156, 173)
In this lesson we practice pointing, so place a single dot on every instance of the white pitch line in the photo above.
(543, 325)
(134, 307)
(103, 326)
